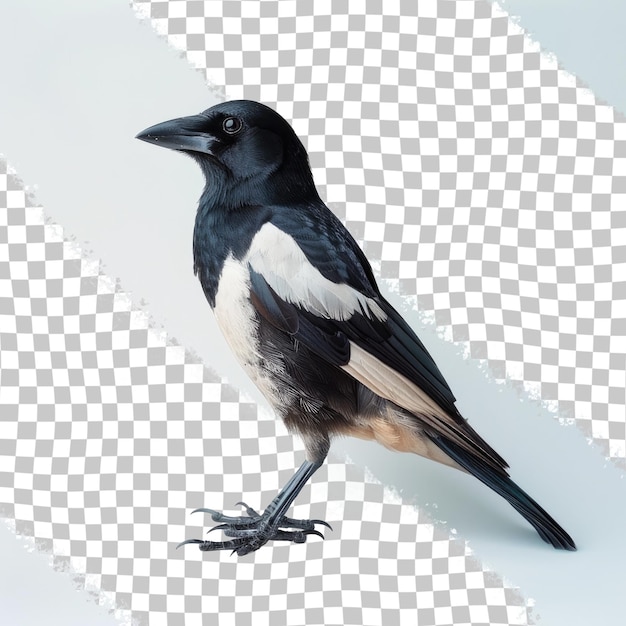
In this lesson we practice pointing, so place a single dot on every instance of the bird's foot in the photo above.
(254, 530)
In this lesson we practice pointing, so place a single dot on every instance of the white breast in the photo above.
(234, 312)
(238, 322)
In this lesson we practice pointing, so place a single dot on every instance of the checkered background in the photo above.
(111, 435)
(475, 171)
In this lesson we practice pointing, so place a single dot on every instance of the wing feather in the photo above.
(351, 326)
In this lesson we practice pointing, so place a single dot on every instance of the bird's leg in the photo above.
(254, 530)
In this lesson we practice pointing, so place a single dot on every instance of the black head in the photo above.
(249, 154)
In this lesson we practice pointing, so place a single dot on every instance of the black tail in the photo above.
(500, 482)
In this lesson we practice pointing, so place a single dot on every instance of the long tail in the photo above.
(500, 482)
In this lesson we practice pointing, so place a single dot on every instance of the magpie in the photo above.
(298, 303)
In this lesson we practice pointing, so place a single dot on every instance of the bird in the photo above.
(299, 305)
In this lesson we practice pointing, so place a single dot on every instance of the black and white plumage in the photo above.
(297, 302)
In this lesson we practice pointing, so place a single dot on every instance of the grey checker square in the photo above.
(112, 434)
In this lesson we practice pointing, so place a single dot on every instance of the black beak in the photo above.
(183, 133)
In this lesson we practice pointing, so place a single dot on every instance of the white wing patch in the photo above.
(277, 257)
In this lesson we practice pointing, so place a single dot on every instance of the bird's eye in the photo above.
(232, 125)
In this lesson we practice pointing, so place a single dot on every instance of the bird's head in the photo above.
(247, 151)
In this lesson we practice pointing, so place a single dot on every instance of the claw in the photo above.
(249, 510)
(184, 543)
(314, 532)
(322, 522)
(220, 527)
(214, 514)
